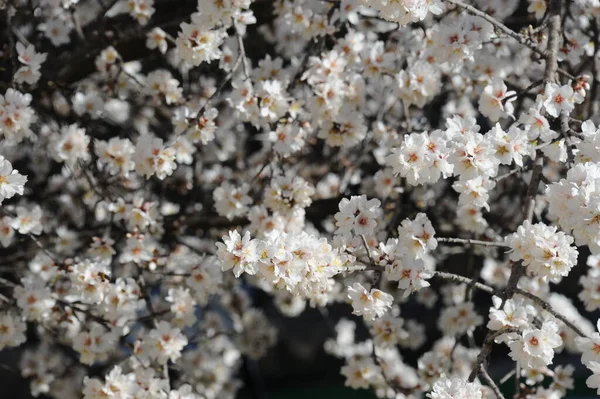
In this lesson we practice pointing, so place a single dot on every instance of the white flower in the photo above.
(107, 58)
(162, 85)
(538, 7)
(34, 298)
(410, 274)
(94, 345)
(238, 253)
(6, 231)
(152, 157)
(28, 221)
(421, 158)
(165, 343)
(558, 98)
(455, 388)
(546, 252)
(57, 30)
(574, 202)
(197, 44)
(360, 372)
(514, 314)
(232, 201)
(90, 281)
(590, 347)
(474, 192)
(496, 101)
(32, 61)
(141, 10)
(459, 319)
(369, 304)
(205, 279)
(357, 216)
(12, 330)
(116, 155)
(70, 145)
(535, 347)
(537, 125)
(157, 39)
(89, 102)
(387, 331)
(288, 193)
(593, 381)
(11, 181)
(183, 306)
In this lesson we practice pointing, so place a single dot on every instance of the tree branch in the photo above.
(488, 380)
(466, 280)
(548, 308)
(471, 241)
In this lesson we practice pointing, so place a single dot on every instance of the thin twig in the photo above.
(490, 382)
(548, 308)
(471, 241)
(552, 48)
(499, 25)
(466, 280)
(242, 51)
(486, 349)
(507, 376)
(378, 273)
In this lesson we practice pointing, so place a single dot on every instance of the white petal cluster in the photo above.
(12, 330)
(16, 116)
(90, 281)
(116, 155)
(162, 84)
(534, 347)
(198, 127)
(122, 302)
(197, 43)
(34, 298)
(455, 388)
(459, 319)
(357, 216)
(11, 181)
(590, 293)
(369, 304)
(421, 158)
(154, 158)
(288, 193)
(516, 313)
(205, 279)
(70, 145)
(590, 357)
(232, 201)
(31, 62)
(405, 11)
(94, 345)
(239, 254)
(546, 252)
(557, 99)
(297, 262)
(405, 257)
(574, 202)
(164, 343)
(588, 150)
(419, 83)
(496, 101)
(456, 40)
(141, 10)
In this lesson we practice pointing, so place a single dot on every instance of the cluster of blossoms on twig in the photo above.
(164, 169)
